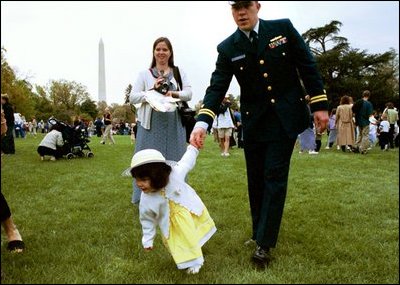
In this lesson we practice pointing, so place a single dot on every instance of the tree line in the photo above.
(345, 71)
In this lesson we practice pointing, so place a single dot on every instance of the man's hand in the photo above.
(197, 137)
(321, 119)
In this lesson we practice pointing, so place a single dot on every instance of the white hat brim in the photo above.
(127, 172)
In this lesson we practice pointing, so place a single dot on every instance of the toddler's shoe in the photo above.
(193, 269)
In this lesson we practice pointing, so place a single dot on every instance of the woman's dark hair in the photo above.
(345, 100)
(157, 172)
(169, 45)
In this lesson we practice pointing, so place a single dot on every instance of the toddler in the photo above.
(384, 128)
(169, 202)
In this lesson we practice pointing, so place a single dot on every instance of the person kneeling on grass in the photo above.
(169, 202)
(51, 143)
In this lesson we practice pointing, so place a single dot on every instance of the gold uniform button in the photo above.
(247, 113)
(241, 68)
(261, 61)
(269, 88)
(272, 101)
(283, 54)
(265, 75)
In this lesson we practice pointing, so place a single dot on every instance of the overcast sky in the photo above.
(59, 40)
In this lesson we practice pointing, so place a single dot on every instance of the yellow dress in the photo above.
(187, 233)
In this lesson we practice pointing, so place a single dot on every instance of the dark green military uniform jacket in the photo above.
(269, 78)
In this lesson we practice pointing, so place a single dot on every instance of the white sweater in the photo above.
(154, 207)
(52, 140)
(145, 82)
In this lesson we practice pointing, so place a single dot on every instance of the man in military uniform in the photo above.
(267, 59)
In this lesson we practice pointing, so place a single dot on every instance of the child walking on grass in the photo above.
(169, 202)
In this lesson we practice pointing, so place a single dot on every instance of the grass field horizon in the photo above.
(340, 222)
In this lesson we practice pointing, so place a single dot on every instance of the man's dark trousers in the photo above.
(267, 176)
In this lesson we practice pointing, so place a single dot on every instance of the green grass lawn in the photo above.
(340, 224)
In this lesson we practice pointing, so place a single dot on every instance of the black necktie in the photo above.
(254, 39)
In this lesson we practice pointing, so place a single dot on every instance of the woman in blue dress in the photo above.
(162, 131)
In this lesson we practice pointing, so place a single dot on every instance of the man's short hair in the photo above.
(366, 94)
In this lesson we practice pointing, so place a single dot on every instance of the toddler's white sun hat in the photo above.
(146, 156)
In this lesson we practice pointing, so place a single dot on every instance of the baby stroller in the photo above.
(75, 140)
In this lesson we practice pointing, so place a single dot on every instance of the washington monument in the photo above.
(102, 73)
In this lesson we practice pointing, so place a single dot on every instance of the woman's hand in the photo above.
(158, 82)
(172, 94)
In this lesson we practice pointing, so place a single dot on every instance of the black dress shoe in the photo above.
(262, 256)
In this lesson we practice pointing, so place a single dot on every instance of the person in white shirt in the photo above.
(157, 129)
(224, 124)
(373, 129)
(392, 117)
(384, 128)
(169, 202)
(51, 143)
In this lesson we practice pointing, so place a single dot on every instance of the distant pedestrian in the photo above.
(99, 125)
(108, 127)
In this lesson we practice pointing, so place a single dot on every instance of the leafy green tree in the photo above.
(347, 70)
(7, 74)
(86, 117)
(121, 112)
(19, 90)
(89, 107)
(383, 80)
(67, 95)
(22, 98)
(43, 107)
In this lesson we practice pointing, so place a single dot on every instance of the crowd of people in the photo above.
(355, 127)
